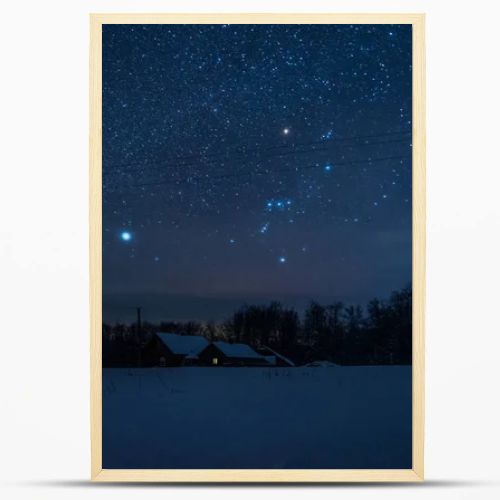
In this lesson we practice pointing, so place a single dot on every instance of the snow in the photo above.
(189, 345)
(300, 417)
(237, 350)
(321, 364)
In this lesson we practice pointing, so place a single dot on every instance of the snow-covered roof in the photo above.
(237, 350)
(278, 355)
(187, 345)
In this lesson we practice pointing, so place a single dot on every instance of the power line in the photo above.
(244, 153)
(191, 180)
(278, 155)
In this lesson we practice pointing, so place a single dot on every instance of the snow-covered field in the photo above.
(305, 417)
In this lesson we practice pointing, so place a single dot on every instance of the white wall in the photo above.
(44, 432)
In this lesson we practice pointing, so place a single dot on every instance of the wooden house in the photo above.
(226, 354)
(171, 349)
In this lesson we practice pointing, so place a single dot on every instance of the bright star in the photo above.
(232, 242)
(286, 131)
(264, 228)
(328, 167)
(327, 135)
(125, 236)
(282, 260)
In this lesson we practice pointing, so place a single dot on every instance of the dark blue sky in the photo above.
(244, 163)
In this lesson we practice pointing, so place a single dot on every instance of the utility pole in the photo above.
(139, 338)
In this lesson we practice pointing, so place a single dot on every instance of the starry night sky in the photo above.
(246, 163)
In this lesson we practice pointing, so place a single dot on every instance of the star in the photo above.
(282, 148)
(327, 135)
(264, 228)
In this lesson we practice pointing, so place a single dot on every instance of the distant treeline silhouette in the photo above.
(380, 334)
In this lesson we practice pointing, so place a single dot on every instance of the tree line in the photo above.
(380, 333)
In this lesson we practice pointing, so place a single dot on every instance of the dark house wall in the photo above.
(155, 350)
(210, 352)
(246, 362)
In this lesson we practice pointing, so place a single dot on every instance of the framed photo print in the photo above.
(257, 246)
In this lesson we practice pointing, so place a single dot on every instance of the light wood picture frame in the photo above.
(416, 473)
